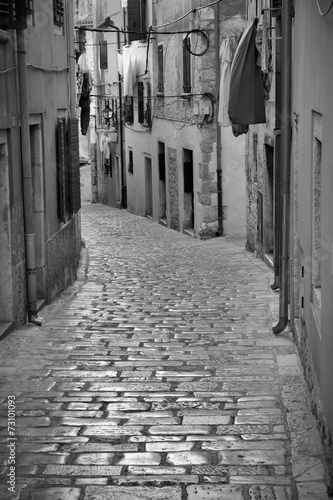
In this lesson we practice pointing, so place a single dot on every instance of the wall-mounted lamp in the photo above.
(107, 113)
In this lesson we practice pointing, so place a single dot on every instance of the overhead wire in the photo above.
(195, 9)
(321, 12)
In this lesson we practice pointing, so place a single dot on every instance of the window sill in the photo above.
(4, 36)
(160, 94)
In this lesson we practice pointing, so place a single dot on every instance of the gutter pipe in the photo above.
(29, 232)
(285, 166)
(218, 126)
(108, 21)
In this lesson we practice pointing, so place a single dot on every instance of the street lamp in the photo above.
(107, 113)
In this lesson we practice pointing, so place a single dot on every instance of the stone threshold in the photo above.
(269, 260)
(5, 327)
(189, 232)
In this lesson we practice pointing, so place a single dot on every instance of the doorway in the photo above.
(149, 187)
(162, 186)
(188, 189)
(6, 288)
(37, 171)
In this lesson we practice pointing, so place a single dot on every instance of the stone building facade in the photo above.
(170, 157)
(39, 200)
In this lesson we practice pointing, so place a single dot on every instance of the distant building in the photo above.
(162, 152)
(39, 176)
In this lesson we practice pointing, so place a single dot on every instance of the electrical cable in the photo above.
(195, 9)
(323, 14)
(47, 70)
(202, 33)
(6, 70)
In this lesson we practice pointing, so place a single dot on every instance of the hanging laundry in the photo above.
(226, 59)
(84, 102)
(263, 45)
(129, 73)
(246, 98)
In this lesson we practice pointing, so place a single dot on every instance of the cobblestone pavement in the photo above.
(158, 377)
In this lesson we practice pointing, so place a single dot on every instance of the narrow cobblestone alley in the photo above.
(158, 377)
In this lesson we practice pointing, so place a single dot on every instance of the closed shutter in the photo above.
(133, 16)
(61, 169)
(186, 66)
(103, 54)
(260, 215)
(74, 165)
(140, 103)
(13, 14)
(160, 75)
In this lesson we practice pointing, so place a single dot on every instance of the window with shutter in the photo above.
(103, 55)
(140, 103)
(160, 75)
(136, 19)
(58, 10)
(13, 14)
(130, 161)
(74, 165)
(186, 65)
(61, 168)
(29, 6)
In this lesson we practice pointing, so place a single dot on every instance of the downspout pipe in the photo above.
(285, 166)
(108, 21)
(218, 126)
(29, 232)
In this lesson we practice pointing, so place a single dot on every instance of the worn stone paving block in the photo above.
(206, 420)
(252, 457)
(94, 459)
(180, 429)
(141, 458)
(40, 458)
(189, 458)
(154, 439)
(126, 387)
(307, 469)
(58, 493)
(129, 493)
(278, 480)
(170, 446)
(230, 470)
(243, 445)
(159, 479)
(270, 493)
(151, 470)
(81, 470)
(214, 492)
(99, 447)
(112, 430)
(88, 421)
(44, 431)
(91, 481)
(242, 429)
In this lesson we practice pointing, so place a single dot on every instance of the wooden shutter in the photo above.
(186, 66)
(13, 14)
(161, 160)
(61, 168)
(260, 215)
(103, 55)
(160, 75)
(140, 103)
(133, 19)
(58, 9)
(143, 15)
(74, 165)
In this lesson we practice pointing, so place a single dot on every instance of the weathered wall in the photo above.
(312, 77)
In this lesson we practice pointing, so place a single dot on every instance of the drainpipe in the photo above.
(285, 167)
(108, 21)
(218, 126)
(71, 57)
(29, 233)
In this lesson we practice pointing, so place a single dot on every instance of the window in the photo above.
(128, 109)
(130, 161)
(29, 6)
(186, 65)
(140, 103)
(160, 74)
(68, 168)
(103, 55)
(136, 19)
(58, 10)
(316, 213)
(13, 14)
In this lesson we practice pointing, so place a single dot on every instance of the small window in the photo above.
(58, 10)
(136, 19)
(103, 55)
(29, 6)
(130, 161)
(140, 103)
(13, 14)
(186, 65)
(160, 73)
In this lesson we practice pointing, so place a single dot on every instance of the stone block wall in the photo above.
(63, 254)
(173, 188)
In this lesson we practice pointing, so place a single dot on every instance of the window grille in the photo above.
(140, 103)
(58, 9)
(13, 14)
